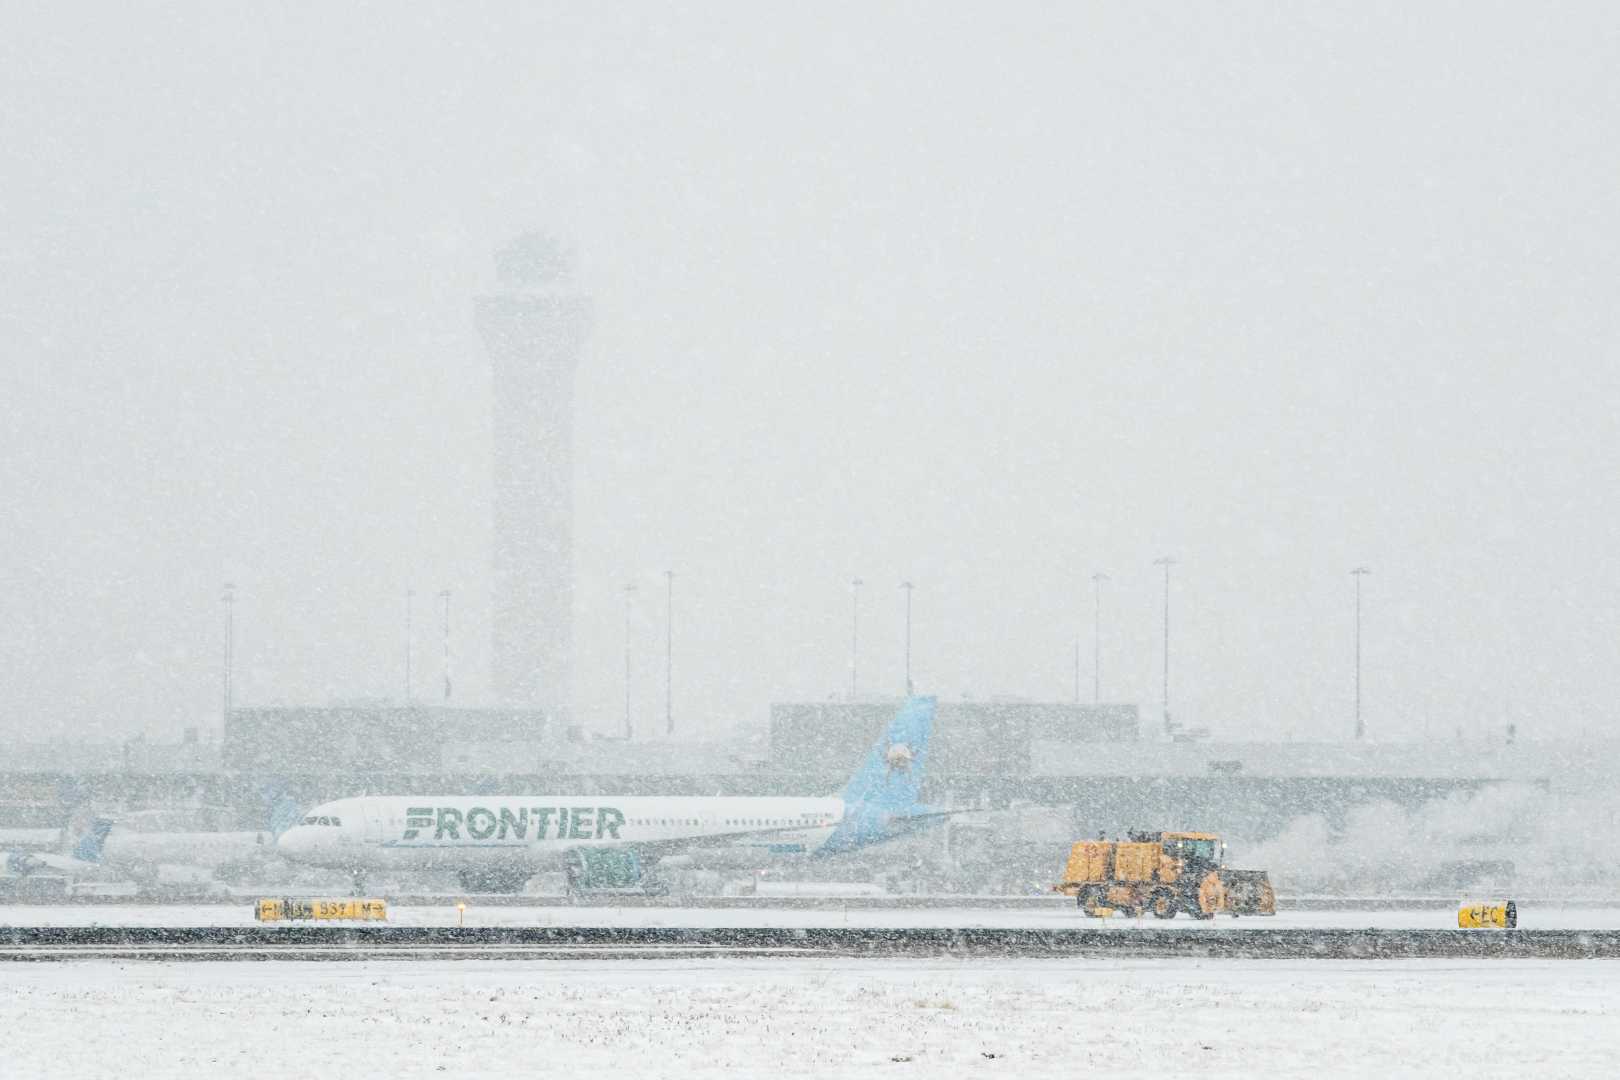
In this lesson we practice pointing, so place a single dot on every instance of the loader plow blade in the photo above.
(1248, 892)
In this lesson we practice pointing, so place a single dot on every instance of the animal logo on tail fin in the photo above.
(892, 773)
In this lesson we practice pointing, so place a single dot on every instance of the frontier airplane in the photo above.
(496, 843)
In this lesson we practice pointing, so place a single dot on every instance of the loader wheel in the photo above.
(1089, 897)
(1164, 904)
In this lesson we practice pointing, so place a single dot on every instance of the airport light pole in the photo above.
(906, 585)
(1096, 639)
(854, 635)
(444, 594)
(629, 594)
(1358, 573)
(1077, 671)
(229, 600)
(410, 597)
(1167, 562)
(669, 652)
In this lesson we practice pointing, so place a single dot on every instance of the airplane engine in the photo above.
(494, 880)
(21, 864)
(608, 872)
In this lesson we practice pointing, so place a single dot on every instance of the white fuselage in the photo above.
(125, 852)
(473, 832)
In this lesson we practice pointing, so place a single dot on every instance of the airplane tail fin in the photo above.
(892, 773)
(284, 814)
(88, 849)
(887, 784)
(281, 811)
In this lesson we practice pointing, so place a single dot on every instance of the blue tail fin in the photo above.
(887, 784)
(284, 814)
(88, 849)
(892, 774)
(280, 810)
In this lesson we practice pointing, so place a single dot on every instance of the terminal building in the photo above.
(380, 741)
(989, 739)
(1089, 762)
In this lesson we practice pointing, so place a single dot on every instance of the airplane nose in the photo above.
(295, 842)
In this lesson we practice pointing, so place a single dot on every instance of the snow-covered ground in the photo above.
(241, 914)
(821, 1018)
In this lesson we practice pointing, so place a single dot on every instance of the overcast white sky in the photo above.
(989, 298)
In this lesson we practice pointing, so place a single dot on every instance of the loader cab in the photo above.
(1194, 848)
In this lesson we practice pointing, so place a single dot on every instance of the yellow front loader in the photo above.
(1165, 873)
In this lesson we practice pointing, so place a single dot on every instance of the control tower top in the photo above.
(533, 260)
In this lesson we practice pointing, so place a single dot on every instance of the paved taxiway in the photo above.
(1060, 917)
(230, 932)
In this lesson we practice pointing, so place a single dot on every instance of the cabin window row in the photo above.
(806, 820)
(802, 821)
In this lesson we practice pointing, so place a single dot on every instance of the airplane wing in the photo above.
(936, 815)
(657, 849)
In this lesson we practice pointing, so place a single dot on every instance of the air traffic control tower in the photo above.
(534, 329)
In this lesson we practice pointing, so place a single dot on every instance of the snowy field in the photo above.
(821, 1018)
(241, 914)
